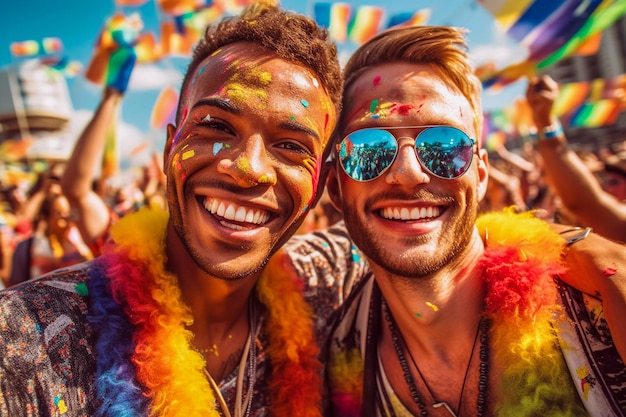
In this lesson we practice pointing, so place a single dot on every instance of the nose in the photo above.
(252, 166)
(406, 169)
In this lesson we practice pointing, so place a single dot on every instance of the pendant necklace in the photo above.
(249, 355)
(481, 334)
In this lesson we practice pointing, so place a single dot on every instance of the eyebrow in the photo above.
(227, 106)
(218, 102)
(291, 125)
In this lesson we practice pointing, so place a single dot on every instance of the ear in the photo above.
(171, 134)
(332, 186)
(483, 173)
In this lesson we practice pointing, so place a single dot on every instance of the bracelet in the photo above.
(582, 234)
(550, 132)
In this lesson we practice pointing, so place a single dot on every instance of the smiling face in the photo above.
(244, 162)
(406, 220)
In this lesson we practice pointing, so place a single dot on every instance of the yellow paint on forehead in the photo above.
(251, 82)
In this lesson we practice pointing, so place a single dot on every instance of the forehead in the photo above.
(249, 66)
(405, 94)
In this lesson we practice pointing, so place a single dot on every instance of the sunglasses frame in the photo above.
(424, 128)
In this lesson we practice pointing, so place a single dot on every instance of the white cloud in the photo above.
(59, 145)
(500, 55)
(153, 77)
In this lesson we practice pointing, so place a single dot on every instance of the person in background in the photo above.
(55, 242)
(180, 316)
(460, 315)
(579, 190)
(614, 179)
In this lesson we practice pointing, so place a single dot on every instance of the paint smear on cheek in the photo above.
(188, 154)
(177, 166)
(376, 81)
(219, 146)
(314, 167)
(179, 131)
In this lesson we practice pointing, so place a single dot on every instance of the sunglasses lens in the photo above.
(445, 151)
(366, 153)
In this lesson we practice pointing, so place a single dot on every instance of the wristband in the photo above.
(550, 132)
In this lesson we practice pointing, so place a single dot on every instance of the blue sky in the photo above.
(77, 23)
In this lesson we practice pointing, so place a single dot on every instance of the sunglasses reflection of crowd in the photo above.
(366, 162)
(447, 163)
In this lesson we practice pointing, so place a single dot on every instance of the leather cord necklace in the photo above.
(249, 355)
(398, 341)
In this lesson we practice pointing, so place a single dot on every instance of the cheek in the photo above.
(300, 184)
(313, 166)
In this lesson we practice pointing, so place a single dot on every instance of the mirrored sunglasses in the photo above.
(444, 151)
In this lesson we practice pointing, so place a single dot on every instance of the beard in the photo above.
(415, 260)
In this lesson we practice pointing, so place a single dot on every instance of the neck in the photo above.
(446, 300)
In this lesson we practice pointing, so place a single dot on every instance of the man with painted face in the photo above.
(178, 318)
(460, 315)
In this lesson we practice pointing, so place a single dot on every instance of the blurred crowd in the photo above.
(518, 178)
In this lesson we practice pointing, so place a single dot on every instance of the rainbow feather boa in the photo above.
(521, 258)
(146, 364)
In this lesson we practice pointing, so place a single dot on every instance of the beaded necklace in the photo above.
(398, 341)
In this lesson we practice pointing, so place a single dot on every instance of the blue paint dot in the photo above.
(305, 103)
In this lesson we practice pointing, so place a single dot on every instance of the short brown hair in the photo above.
(292, 36)
(444, 47)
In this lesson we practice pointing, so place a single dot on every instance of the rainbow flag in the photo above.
(408, 19)
(571, 96)
(366, 23)
(551, 30)
(335, 17)
(596, 114)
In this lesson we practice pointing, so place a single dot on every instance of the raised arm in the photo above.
(580, 191)
(77, 182)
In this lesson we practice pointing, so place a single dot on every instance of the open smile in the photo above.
(235, 216)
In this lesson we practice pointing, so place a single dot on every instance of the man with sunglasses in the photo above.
(460, 315)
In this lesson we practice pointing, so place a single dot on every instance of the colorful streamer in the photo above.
(551, 33)
(32, 48)
(164, 110)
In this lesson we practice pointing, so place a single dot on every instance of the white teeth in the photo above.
(230, 213)
(403, 213)
(240, 215)
(221, 209)
(236, 213)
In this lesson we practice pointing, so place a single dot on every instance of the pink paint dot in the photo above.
(376, 80)
(610, 271)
